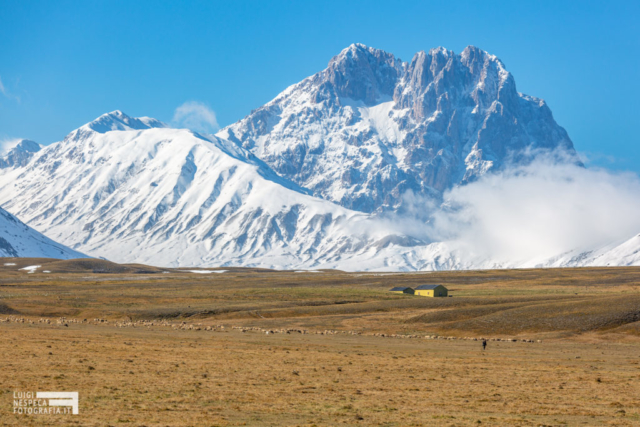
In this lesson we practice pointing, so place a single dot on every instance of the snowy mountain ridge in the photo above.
(117, 120)
(172, 197)
(175, 198)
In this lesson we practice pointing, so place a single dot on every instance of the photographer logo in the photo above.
(45, 402)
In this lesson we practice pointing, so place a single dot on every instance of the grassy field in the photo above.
(152, 346)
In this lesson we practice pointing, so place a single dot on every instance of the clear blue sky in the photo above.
(64, 63)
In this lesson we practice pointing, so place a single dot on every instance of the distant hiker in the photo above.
(484, 344)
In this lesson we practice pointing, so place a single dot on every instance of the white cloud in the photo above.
(539, 211)
(5, 92)
(196, 116)
(528, 213)
(590, 157)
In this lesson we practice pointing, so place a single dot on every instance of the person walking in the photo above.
(484, 344)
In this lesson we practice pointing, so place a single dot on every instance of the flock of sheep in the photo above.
(63, 321)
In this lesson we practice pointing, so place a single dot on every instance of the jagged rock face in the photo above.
(370, 127)
(20, 154)
(358, 74)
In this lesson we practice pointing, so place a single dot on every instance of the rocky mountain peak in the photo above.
(114, 121)
(442, 78)
(359, 73)
(27, 146)
(20, 154)
(369, 128)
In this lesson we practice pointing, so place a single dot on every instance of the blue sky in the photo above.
(64, 63)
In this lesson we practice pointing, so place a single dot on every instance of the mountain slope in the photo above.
(19, 240)
(620, 254)
(172, 197)
(370, 127)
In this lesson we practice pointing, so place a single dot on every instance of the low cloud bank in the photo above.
(526, 214)
(538, 211)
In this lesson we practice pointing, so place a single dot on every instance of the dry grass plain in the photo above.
(140, 365)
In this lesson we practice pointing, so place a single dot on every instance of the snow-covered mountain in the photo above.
(451, 255)
(19, 240)
(321, 177)
(621, 254)
(20, 154)
(370, 127)
(133, 190)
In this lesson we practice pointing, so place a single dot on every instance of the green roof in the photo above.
(427, 287)
(400, 288)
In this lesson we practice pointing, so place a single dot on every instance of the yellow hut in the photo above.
(432, 291)
(402, 290)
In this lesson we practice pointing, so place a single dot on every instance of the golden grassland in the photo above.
(585, 371)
